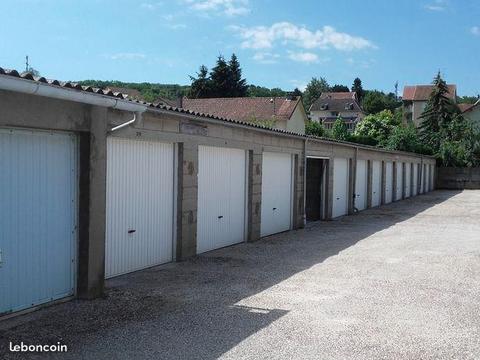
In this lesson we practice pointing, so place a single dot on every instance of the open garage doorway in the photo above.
(316, 193)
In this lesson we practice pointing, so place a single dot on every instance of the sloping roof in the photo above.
(469, 107)
(170, 109)
(131, 93)
(347, 95)
(422, 92)
(342, 101)
(245, 108)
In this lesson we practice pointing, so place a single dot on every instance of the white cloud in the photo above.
(127, 56)
(218, 7)
(150, 6)
(262, 37)
(437, 5)
(265, 57)
(475, 30)
(305, 57)
(302, 85)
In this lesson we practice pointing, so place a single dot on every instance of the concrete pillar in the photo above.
(328, 215)
(298, 191)
(91, 265)
(369, 183)
(383, 182)
(187, 200)
(394, 186)
(352, 170)
(255, 159)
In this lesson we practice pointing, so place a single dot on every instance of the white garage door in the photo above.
(38, 218)
(221, 197)
(140, 199)
(388, 182)
(415, 180)
(276, 193)
(361, 185)
(399, 188)
(408, 179)
(376, 183)
(340, 187)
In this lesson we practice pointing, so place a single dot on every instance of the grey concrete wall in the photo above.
(458, 178)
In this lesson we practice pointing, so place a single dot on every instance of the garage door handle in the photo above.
(274, 209)
(220, 217)
(131, 231)
(338, 198)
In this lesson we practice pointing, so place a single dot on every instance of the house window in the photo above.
(334, 113)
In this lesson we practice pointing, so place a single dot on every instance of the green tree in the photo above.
(339, 88)
(313, 91)
(358, 88)
(438, 114)
(237, 86)
(296, 92)
(201, 85)
(220, 76)
(378, 126)
(405, 138)
(314, 128)
(375, 101)
(339, 130)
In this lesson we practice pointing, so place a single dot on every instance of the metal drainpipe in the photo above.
(118, 127)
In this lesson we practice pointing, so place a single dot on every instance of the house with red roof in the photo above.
(415, 100)
(285, 113)
(332, 105)
(471, 112)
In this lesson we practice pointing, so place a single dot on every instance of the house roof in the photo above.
(347, 95)
(469, 107)
(340, 101)
(423, 92)
(170, 109)
(245, 108)
(131, 93)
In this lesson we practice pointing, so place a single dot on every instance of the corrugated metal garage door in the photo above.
(399, 188)
(408, 179)
(415, 180)
(38, 217)
(276, 193)
(221, 197)
(361, 185)
(340, 187)
(388, 182)
(376, 183)
(139, 205)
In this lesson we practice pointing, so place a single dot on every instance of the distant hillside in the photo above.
(152, 91)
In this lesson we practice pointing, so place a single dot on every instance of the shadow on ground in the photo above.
(189, 310)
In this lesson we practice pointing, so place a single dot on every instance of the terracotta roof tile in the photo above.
(422, 92)
(245, 108)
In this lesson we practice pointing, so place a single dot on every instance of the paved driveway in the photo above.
(400, 281)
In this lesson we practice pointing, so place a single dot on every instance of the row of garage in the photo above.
(80, 203)
(390, 181)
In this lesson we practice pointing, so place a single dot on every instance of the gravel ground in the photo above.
(397, 282)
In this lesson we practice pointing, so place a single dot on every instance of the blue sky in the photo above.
(279, 43)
